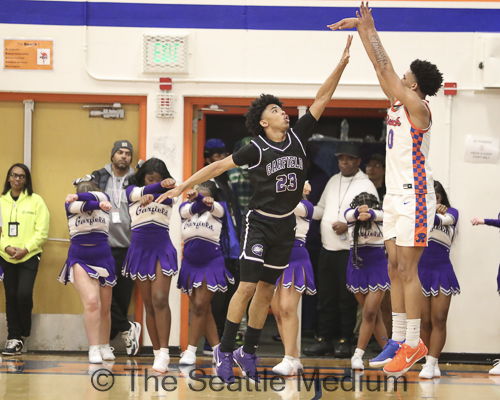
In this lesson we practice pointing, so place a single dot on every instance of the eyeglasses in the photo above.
(21, 177)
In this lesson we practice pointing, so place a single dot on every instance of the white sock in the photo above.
(96, 347)
(431, 360)
(398, 326)
(104, 346)
(412, 332)
(192, 348)
(215, 347)
(156, 352)
(296, 360)
(289, 358)
(359, 353)
(164, 350)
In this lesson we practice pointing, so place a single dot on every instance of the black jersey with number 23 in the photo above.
(277, 171)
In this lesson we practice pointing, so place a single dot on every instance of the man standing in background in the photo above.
(112, 180)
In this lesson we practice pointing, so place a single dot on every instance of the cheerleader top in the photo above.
(200, 221)
(303, 214)
(372, 237)
(443, 231)
(87, 223)
(154, 215)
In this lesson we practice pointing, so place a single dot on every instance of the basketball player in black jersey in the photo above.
(277, 170)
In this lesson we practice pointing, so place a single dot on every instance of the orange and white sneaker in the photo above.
(405, 357)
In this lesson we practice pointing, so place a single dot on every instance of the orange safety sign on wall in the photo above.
(28, 54)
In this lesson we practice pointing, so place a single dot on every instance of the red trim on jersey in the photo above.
(393, 105)
(411, 123)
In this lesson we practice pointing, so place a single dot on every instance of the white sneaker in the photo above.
(161, 363)
(107, 352)
(357, 363)
(496, 368)
(131, 338)
(213, 357)
(297, 367)
(284, 368)
(427, 371)
(95, 356)
(188, 358)
(437, 372)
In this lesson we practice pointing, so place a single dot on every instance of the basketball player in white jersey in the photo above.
(410, 203)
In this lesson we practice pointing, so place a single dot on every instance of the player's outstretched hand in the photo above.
(346, 23)
(192, 194)
(346, 55)
(168, 183)
(365, 19)
(177, 191)
(477, 221)
(146, 200)
(441, 209)
(70, 198)
(105, 205)
(209, 201)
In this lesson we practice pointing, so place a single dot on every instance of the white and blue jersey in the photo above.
(201, 229)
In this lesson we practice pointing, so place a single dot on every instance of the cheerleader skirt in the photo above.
(144, 252)
(437, 275)
(299, 271)
(372, 275)
(97, 262)
(194, 272)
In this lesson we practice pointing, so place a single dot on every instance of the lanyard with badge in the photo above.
(13, 226)
(117, 197)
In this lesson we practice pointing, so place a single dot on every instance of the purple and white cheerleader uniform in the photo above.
(150, 235)
(434, 268)
(203, 259)
(373, 274)
(496, 224)
(300, 270)
(88, 230)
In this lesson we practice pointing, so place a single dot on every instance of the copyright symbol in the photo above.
(102, 380)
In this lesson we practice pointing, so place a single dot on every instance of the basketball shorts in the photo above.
(409, 218)
(266, 245)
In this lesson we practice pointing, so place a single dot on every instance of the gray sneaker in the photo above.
(131, 338)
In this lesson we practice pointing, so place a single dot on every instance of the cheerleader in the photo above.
(496, 223)
(438, 280)
(298, 274)
(90, 267)
(367, 275)
(151, 256)
(203, 272)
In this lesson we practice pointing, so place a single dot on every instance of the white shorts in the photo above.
(409, 218)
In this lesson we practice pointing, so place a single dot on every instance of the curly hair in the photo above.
(428, 77)
(372, 202)
(254, 113)
(152, 165)
(215, 192)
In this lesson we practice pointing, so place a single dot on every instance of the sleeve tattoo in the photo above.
(378, 51)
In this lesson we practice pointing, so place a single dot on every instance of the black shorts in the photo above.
(266, 245)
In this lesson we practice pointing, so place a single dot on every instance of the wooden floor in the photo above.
(71, 377)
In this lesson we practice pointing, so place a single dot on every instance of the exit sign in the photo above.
(165, 53)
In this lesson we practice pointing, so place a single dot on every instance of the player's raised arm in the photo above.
(326, 90)
(204, 174)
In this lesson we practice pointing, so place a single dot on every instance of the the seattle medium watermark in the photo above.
(198, 381)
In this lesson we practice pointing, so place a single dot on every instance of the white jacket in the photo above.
(334, 202)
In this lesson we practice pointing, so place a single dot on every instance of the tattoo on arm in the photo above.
(378, 51)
